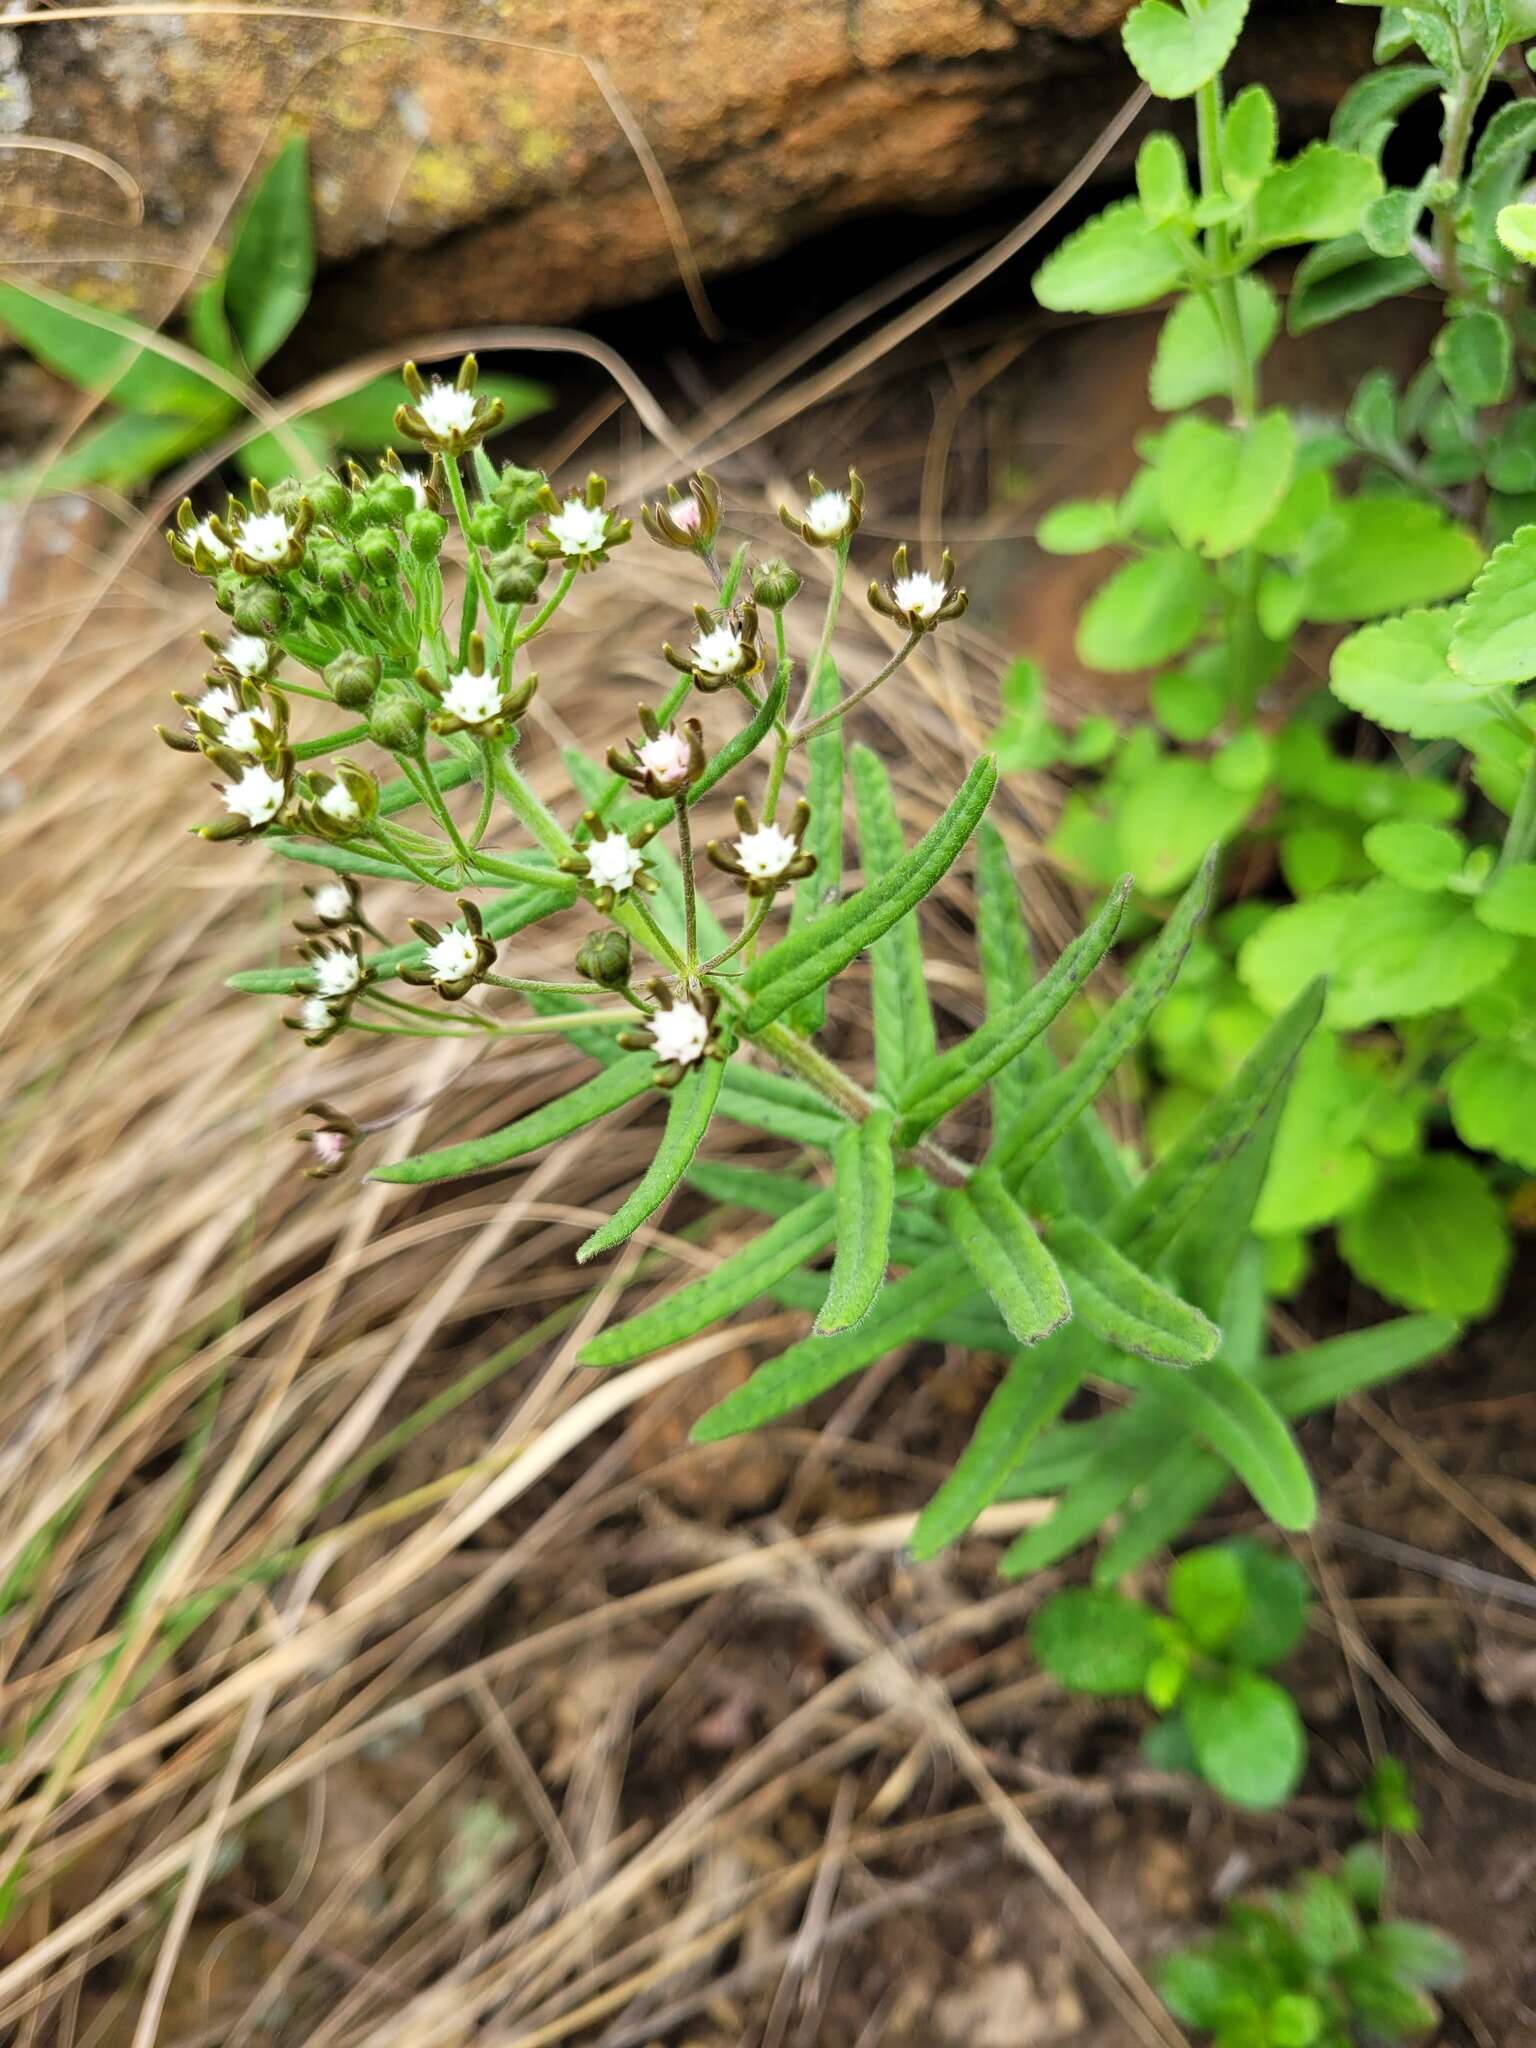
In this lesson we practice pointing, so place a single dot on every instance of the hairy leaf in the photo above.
(1124, 1306)
(903, 1019)
(1001, 1247)
(866, 1194)
(692, 1104)
(598, 1097)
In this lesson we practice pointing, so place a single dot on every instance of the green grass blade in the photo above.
(1067, 1094)
(800, 964)
(1036, 1387)
(905, 1040)
(906, 1311)
(688, 1114)
(999, 1244)
(816, 893)
(1125, 1306)
(740, 1279)
(598, 1097)
(942, 1083)
(866, 1195)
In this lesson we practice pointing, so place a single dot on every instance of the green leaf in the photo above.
(1388, 223)
(1340, 1366)
(1368, 112)
(1476, 355)
(1192, 362)
(1343, 277)
(1241, 1426)
(807, 959)
(267, 458)
(1124, 1306)
(1494, 636)
(689, 1110)
(866, 1194)
(903, 1019)
(787, 1244)
(1007, 966)
(1500, 167)
(1398, 673)
(122, 452)
(1247, 1736)
(1316, 197)
(1162, 181)
(1387, 554)
(110, 356)
(1148, 612)
(945, 1081)
(1516, 229)
(1426, 857)
(1249, 135)
(817, 892)
(1508, 904)
(365, 419)
(1176, 53)
(1209, 1594)
(1096, 1642)
(1079, 527)
(1390, 2011)
(781, 1106)
(1057, 1104)
(1320, 1165)
(1033, 1391)
(1417, 1954)
(904, 1312)
(1275, 1617)
(598, 1097)
(271, 266)
(1327, 1925)
(999, 1244)
(1433, 1236)
(1118, 261)
(1170, 818)
(1219, 488)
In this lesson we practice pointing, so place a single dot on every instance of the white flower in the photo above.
(686, 514)
(203, 536)
(447, 410)
(257, 796)
(332, 900)
(666, 757)
(315, 1015)
(680, 1033)
(717, 653)
(329, 1148)
(266, 537)
(413, 482)
(453, 957)
(336, 972)
(920, 594)
(219, 704)
(247, 654)
(340, 804)
(245, 733)
(578, 528)
(474, 699)
(613, 863)
(827, 515)
(765, 853)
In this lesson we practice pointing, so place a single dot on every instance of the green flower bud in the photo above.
(425, 533)
(385, 501)
(261, 608)
(352, 679)
(775, 584)
(337, 568)
(517, 491)
(490, 526)
(286, 496)
(228, 588)
(604, 957)
(326, 608)
(516, 573)
(398, 725)
(379, 552)
(331, 499)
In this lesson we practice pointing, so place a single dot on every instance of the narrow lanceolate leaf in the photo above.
(1178, 1492)
(1063, 1098)
(1341, 1366)
(746, 1187)
(904, 1034)
(1146, 1223)
(866, 1194)
(999, 1245)
(1125, 1306)
(781, 1106)
(752, 1271)
(1007, 966)
(942, 1083)
(1036, 1387)
(605, 1092)
(688, 1114)
(906, 1311)
(808, 959)
(504, 916)
(972, 1323)
(1128, 1447)
(817, 892)
(1237, 1422)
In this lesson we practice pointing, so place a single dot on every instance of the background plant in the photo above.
(1246, 540)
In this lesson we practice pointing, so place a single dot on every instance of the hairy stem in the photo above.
(799, 734)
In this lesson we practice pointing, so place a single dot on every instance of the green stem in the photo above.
(477, 567)
(633, 917)
(376, 995)
(546, 612)
(311, 750)
(1222, 293)
(749, 932)
(781, 739)
(1520, 839)
(801, 733)
(538, 988)
(537, 816)
(396, 851)
(487, 793)
(828, 624)
(421, 780)
(690, 900)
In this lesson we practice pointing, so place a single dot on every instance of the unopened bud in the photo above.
(517, 491)
(261, 608)
(516, 573)
(331, 499)
(352, 679)
(775, 584)
(398, 726)
(489, 526)
(380, 555)
(604, 957)
(425, 532)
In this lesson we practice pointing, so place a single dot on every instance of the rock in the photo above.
(469, 168)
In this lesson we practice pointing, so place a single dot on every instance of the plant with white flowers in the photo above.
(1021, 1231)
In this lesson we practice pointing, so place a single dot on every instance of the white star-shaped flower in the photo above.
(315, 1014)
(336, 972)
(717, 653)
(578, 528)
(340, 804)
(827, 514)
(257, 796)
(667, 757)
(447, 410)
(247, 654)
(475, 699)
(766, 853)
(203, 536)
(266, 537)
(219, 704)
(413, 482)
(453, 957)
(680, 1033)
(246, 733)
(920, 594)
(613, 863)
(333, 900)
